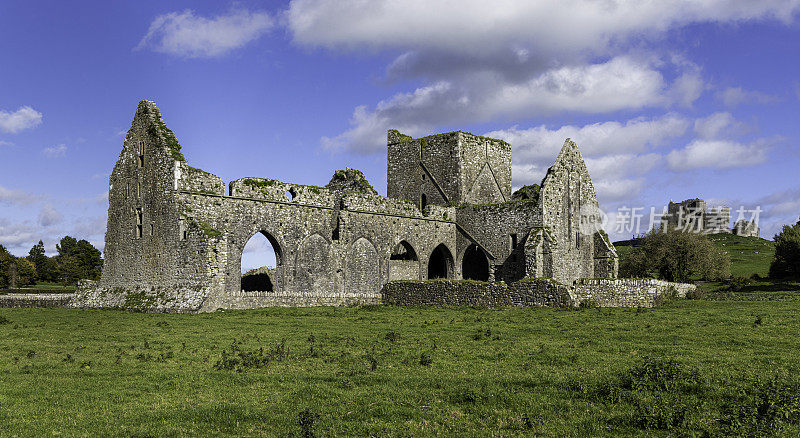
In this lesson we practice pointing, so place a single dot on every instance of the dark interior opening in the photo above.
(440, 263)
(403, 251)
(257, 283)
(475, 265)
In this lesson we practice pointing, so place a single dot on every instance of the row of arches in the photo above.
(262, 261)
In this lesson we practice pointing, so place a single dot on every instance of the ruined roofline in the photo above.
(395, 137)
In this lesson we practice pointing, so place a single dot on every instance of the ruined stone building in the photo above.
(694, 215)
(176, 233)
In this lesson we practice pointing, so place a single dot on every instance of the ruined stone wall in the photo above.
(485, 169)
(527, 293)
(567, 194)
(501, 230)
(626, 292)
(533, 292)
(145, 229)
(452, 168)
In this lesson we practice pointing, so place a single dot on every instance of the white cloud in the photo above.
(17, 197)
(192, 36)
(720, 154)
(734, 96)
(620, 83)
(717, 125)
(23, 118)
(49, 216)
(598, 138)
(55, 151)
(5, 143)
(478, 26)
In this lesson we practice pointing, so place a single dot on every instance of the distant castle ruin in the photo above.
(176, 234)
(694, 215)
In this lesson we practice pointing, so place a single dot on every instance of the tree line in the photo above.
(75, 260)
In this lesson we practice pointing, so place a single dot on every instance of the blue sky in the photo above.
(666, 99)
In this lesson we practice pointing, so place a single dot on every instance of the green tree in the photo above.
(45, 267)
(6, 259)
(676, 256)
(77, 260)
(786, 262)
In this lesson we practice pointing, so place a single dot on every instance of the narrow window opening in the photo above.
(152, 229)
(513, 242)
(141, 154)
(335, 235)
(138, 223)
(577, 240)
(182, 229)
(423, 202)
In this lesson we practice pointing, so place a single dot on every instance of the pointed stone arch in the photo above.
(440, 263)
(270, 280)
(475, 264)
(403, 262)
(311, 265)
(363, 268)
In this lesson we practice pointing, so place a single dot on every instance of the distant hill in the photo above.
(749, 255)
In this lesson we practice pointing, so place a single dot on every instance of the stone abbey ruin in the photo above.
(695, 215)
(175, 235)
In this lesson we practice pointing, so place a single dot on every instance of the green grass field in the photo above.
(403, 371)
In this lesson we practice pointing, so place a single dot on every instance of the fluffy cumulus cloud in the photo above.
(620, 83)
(618, 155)
(484, 61)
(55, 151)
(19, 120)
(735, 96)
(478, 26)
(720, 154)
(189, 35)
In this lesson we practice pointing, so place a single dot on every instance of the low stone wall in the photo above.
(532, 292)
(251, 300)
(525, 293)
(35, 300)
(626, 292)
(173, 300)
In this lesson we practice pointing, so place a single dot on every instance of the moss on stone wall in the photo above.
(209, 231)
(350, 180)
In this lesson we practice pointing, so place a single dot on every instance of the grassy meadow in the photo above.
(692, 366)
(720, 366)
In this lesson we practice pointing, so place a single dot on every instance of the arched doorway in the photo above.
(403, 262)
(261, 263)
(440, 265)
(363, 272)
(475, 265)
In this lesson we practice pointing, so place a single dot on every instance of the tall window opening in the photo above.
(440, 265)
(475, 265)
(260, 264)
(423, 202)
(141, 154)
(139, 221)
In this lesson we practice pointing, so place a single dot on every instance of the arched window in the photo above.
(260, 264)
(440, 265)
(475, 265)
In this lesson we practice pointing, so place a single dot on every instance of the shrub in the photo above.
(786, 262)
(738, 283)
(695, 294)
(676, 256)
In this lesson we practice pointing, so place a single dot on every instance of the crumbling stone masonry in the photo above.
(175, 236)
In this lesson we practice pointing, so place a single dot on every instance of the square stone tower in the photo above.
(455, 168)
